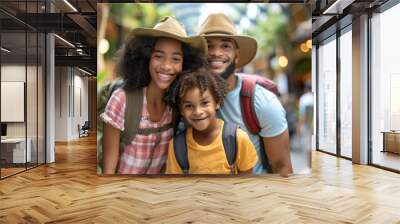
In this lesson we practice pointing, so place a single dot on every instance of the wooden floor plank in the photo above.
(70, 191)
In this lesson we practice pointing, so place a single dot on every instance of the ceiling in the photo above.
(74, 21)
(330, 15)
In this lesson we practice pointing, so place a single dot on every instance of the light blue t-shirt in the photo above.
(269, 111)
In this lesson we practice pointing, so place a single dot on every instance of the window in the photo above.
(346, 93)
(23, 76)
(327, 96)
(385, 88)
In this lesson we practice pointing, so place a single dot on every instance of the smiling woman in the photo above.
(165, 62)
(138, 124)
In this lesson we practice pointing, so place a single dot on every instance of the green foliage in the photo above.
(131, 16)
(271, 32)
(124, 17)
(101, 77)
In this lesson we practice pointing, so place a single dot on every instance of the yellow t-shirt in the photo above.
(211, 159)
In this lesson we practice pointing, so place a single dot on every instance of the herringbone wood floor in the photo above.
(70, 191)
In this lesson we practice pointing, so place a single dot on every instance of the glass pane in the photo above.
(327, 97)
(32, 8)
(13, 85)
(31, 97)
(22, 63)
(346, 94)
(386, 89)
(41, 99)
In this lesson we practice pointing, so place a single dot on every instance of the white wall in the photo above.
(81, 104)
(14, 73)
(61, 103)
(71, 93)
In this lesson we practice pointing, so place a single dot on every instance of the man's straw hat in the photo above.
(219, 25)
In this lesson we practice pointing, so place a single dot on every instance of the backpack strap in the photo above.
(247, 105)
(247, 93)
(148, 131)
(117, 84)
(229, 142)
(181, 152)
(250, 118)
(176, 118)
(133, 112)
(264, 157)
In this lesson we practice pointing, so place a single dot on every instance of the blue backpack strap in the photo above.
(181, 152)
(229, 142)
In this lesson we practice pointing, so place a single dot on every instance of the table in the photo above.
(391, 141)
(13, 150)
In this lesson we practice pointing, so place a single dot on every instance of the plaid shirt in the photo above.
(146, 152)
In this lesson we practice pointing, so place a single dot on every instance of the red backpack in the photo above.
(247, 98)
(250, 119)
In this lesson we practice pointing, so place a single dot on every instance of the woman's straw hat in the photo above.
(169, 27)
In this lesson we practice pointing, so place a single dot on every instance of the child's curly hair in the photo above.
(200, 78)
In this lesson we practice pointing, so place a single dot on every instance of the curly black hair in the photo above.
(134, 59)
(201, 78)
